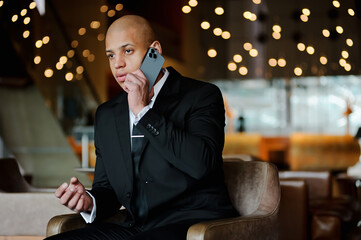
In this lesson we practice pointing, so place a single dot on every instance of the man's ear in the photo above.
(157, 46)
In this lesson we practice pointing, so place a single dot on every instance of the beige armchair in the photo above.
(255, 192)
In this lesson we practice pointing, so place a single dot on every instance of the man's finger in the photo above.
(66, 196)
(60, 191)
(72, 203)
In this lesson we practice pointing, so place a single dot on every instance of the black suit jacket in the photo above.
(181, 162)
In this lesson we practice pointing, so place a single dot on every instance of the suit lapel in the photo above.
(121, 113)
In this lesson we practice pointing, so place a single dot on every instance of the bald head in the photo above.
(138, 24)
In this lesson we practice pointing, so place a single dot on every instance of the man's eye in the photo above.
(110, 55)
(128, 51)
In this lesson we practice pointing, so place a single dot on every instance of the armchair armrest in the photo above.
(252, 226)
(68, 222)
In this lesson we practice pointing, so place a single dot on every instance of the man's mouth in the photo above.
(120, 77)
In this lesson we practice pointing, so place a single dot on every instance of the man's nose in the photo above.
(119, 62)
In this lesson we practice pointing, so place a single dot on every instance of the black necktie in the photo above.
(140, 204)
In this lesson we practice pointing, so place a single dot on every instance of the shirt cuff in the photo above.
(141, 114)
(89, 217)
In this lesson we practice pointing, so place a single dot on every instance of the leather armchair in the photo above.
(254, 191)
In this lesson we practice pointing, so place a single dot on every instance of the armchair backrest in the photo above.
(253, 186)
(11, 179)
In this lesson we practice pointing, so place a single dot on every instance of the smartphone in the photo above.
(152, 65)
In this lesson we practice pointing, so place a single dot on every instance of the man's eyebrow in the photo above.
(123, 46)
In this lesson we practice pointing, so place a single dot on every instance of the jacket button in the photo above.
(128, 194)
(148, 126)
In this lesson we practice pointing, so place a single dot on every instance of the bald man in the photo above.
(177, 180)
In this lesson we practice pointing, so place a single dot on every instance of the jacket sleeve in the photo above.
(196, 147)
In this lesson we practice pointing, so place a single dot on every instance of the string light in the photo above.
(217, 31)
(86, 53)
(336, 4)
(23, 12)
(345, 54)
(297, 71)
(282, 62)
(247, 46)
(232, 66)
(349, 42)
(111, 13)
(256, 1)
(351, 12)
(272, 62)
(91, 57)
(119, 7)
(243, 70)
(101, 37)
(306, 11)
(69, 76)
(74, 44)
(347, 67)
(104, 8)
(26, 20)
(63, 59)
(237, 58)
(205, 25)
(186, 9)
(32, 5)
(70, 53)
(212, 53)
(342, 62)
(46, 39)
(323, 60)
(226, 35)
(276, 35)
(1, 3)
(59, 65)
(304, 18)
(339, 29)
(38, 44)
(193, 3)
(14, 18)
(310, 50)
(95, 24)
(219, 10)
(81, 31)
(253, 52)
(48, 73)
(37, 59)
(26, 34)
(301, 47)
(80, 69)
(325, 33)
(276, 28)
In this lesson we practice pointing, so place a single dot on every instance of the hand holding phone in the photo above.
(151, 65)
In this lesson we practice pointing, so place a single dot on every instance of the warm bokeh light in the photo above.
(253, 17)
(86, 53)
(186, 9)
(219, 10)
(91, 58)
(32, 5)
(26, 20)
(310, 50)
(351, 12)
(243, 70)
(345, 54)
(339, 29)
(272, 62)
(69, 76)
(59, 65)
(297, 71)
(81, 31)
(63, 59)
(193, 3)
(217, 31)
(336, 4)
(226, 35)
(276, 35)
(119, 7)
(74, 44)
(304, 18)
(14, 18)
(282, 62)
(256, 1)
(212, 53)
(253, 52)
(38, 44)
(1, 3)
(48, 72)
(80, 69)
(325, 32)
(104, 8)
(301, 47)
(247, 14)
(247, 46)
(323, 60)
(237, 58)
(342, 62)
(111, 13)
(349, 42)
(37, 59)
(46, 39)
(205, 25)
(276, 28)
(347, 67)
(70, 53)
(306, 11)
(95, 24)
(232, 66)
(23, 12)
(101, 37)
(26, 34)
